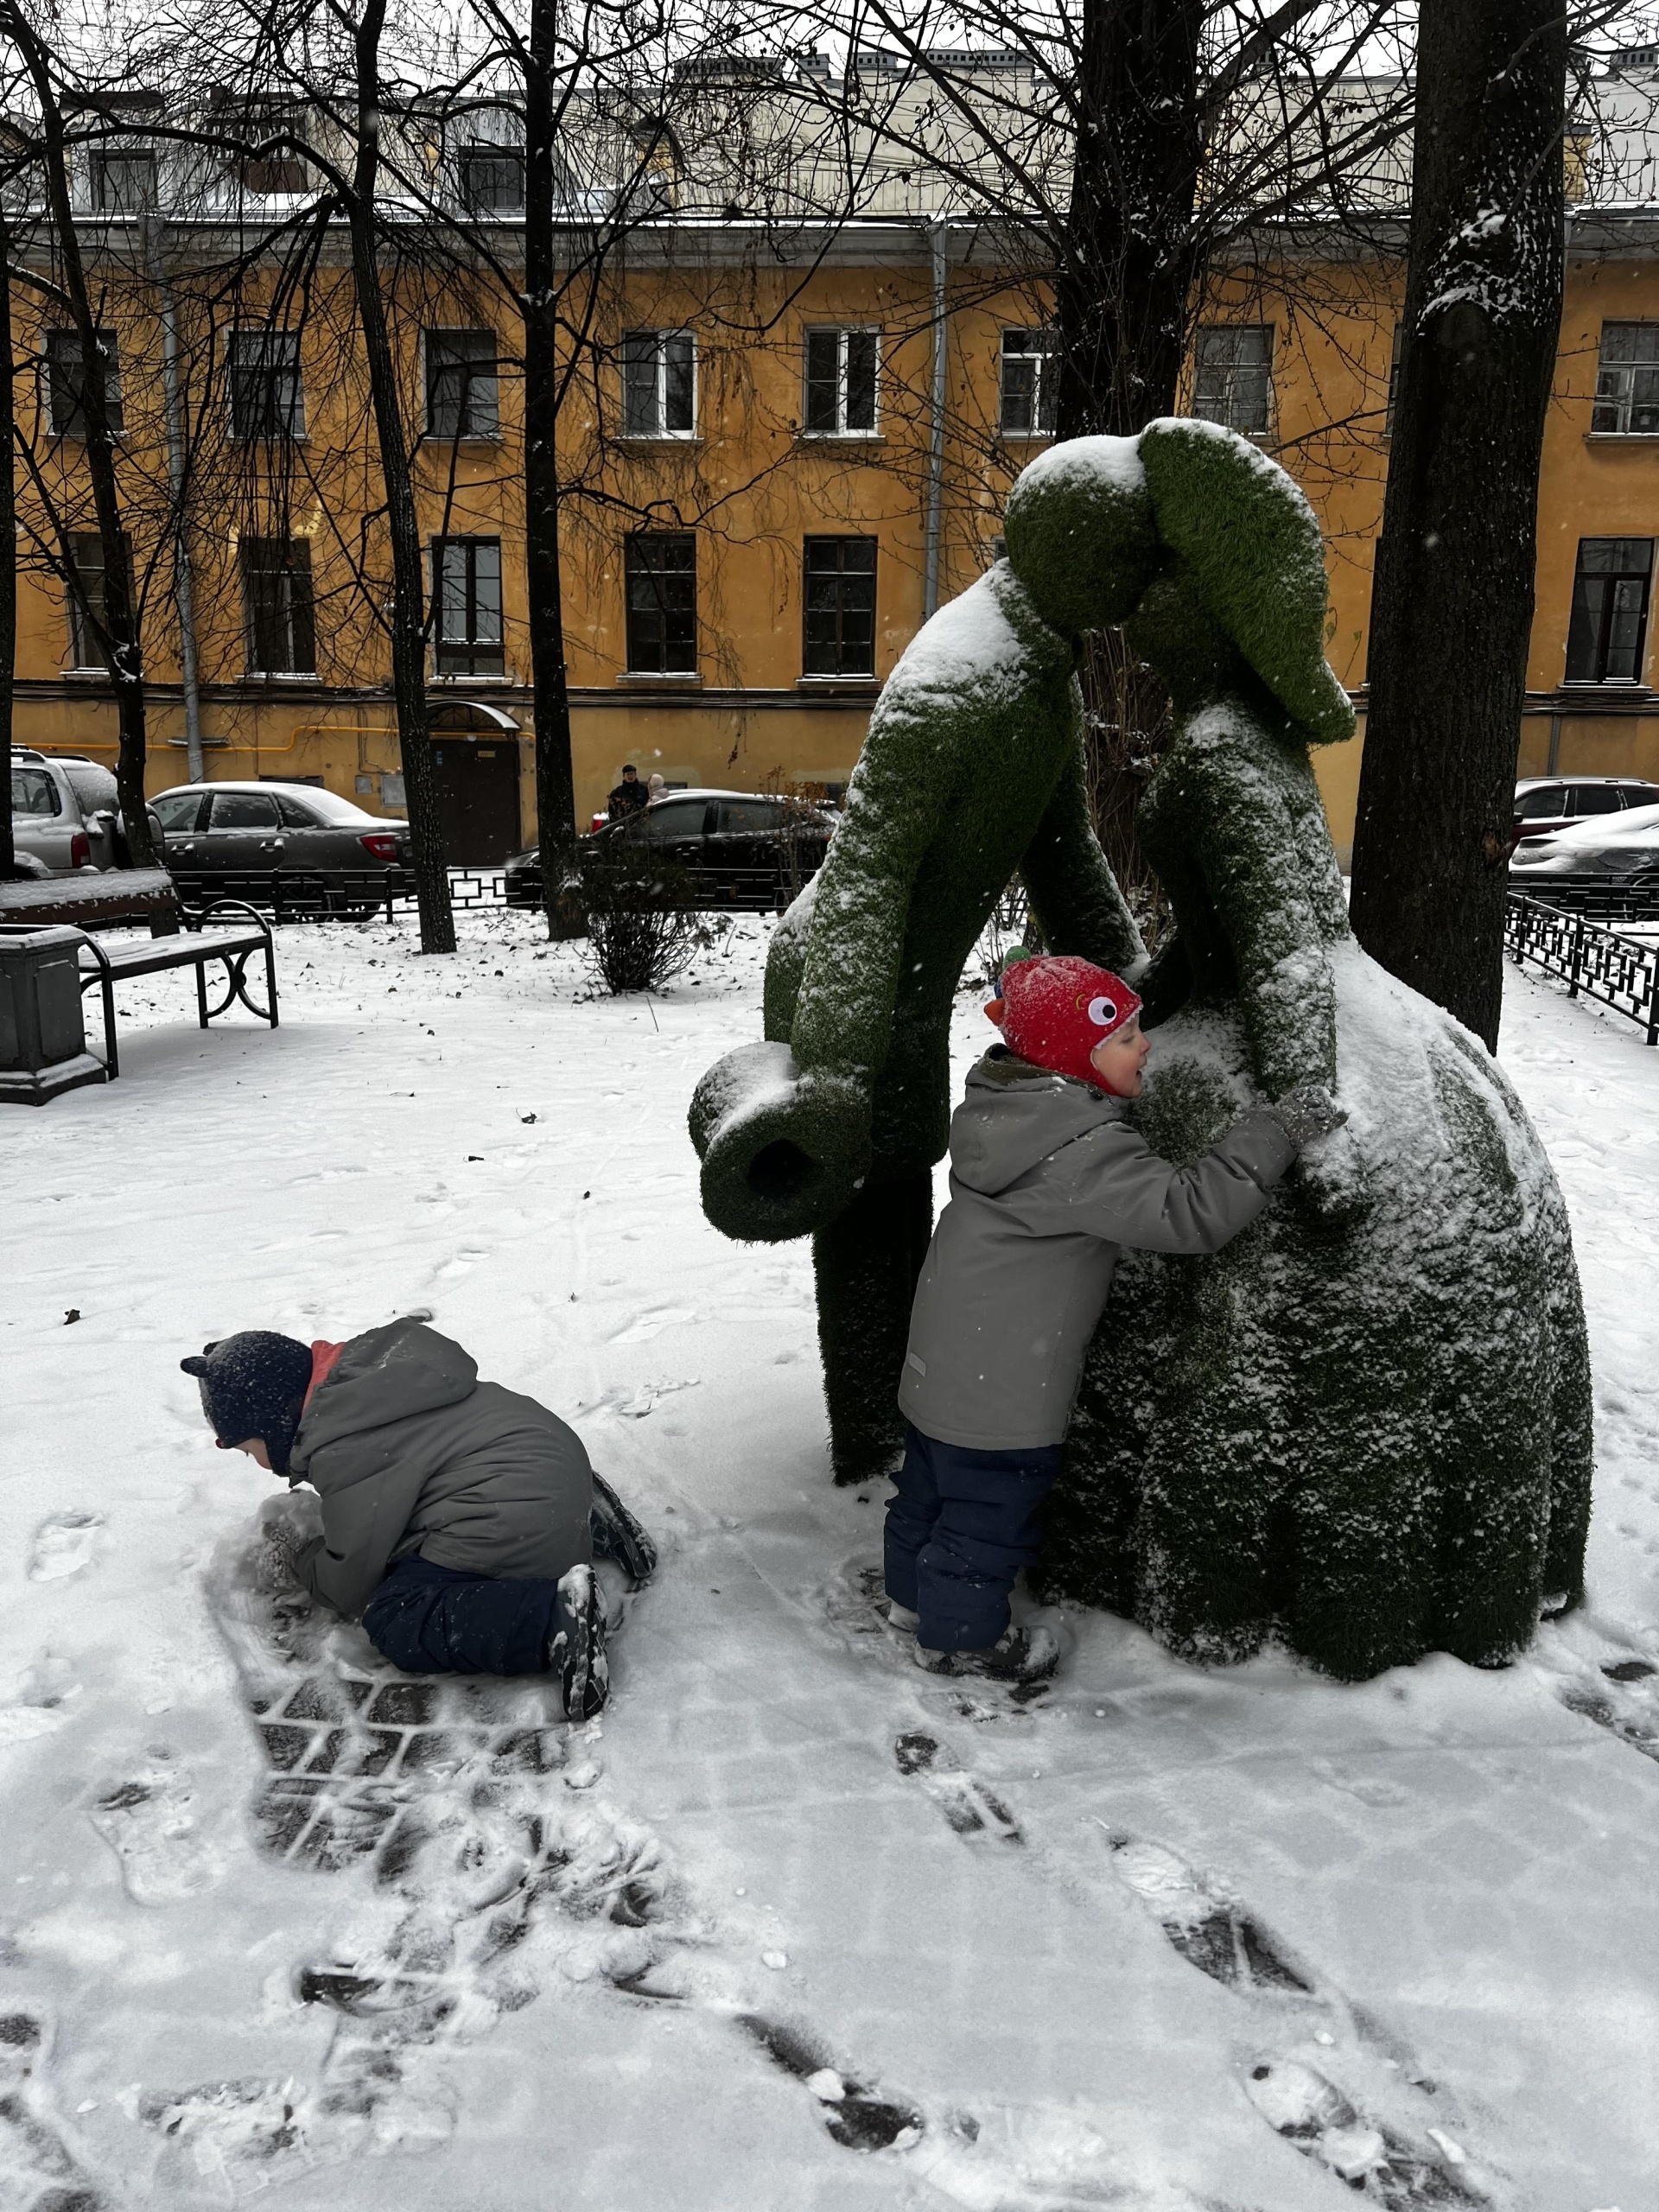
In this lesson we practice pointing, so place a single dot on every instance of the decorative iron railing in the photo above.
(356, 894)
(1620, 970)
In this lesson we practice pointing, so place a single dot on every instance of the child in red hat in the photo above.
(1049, 1182)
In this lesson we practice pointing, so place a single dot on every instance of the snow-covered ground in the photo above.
(793, 1926)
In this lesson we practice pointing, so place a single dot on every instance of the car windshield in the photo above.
(92, 784)
(34, 792)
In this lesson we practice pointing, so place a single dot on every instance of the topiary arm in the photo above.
(861, 909)
(1074, 894)
(1244, 844)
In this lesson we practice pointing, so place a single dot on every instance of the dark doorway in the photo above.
(477, 798)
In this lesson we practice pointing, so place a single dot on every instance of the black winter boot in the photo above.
(618, 1536)
(576, 1654)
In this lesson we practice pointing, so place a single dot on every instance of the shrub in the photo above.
(643, 927)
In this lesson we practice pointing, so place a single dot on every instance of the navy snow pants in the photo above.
(437, 1620)
(961, 1524)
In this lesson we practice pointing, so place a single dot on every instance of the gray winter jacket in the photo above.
(1048, 1182)
(409, 1451)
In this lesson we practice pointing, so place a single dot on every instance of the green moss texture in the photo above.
(1364, 1427)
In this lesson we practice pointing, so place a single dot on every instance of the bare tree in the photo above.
(1482, 316)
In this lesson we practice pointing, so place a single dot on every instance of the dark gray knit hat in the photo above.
(254, 1384)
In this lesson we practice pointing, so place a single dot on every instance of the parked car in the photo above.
(1619, 856)
(1546, 803)
(65, 814)
(230, 839)
(739, 848)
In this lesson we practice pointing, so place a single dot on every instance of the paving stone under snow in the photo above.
(792, 1924)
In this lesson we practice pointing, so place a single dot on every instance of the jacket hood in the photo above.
(384, 1376)
(1015, 1115)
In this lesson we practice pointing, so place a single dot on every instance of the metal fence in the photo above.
(349, 895)
(1620, 972)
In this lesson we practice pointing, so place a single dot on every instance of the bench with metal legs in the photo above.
(193, 947)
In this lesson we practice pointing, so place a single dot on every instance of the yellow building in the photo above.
(770, 478)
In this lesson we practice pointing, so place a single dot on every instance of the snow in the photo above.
(1162, 1938)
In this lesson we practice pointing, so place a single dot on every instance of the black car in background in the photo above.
(747, 849)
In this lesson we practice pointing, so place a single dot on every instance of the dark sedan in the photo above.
(293, 841)
(746, 849)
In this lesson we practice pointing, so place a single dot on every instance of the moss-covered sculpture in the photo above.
(973, 769)
(1366, 1424)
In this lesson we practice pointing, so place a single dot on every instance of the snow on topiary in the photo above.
(1365, 1424)
(973, 770)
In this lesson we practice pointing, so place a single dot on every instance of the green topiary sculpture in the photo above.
(1366, 1424)
(973, 769)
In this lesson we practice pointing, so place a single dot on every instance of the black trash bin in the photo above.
(43, 1037)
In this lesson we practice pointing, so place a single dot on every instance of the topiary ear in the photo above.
(1251, 547)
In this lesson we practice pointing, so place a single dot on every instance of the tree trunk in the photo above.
(1126, 264)
(8, 544)
(1451, 604)
(1126, 257)
(555, 803)
(115, 624)
(408, 596)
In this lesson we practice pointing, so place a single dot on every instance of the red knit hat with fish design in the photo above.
(1054, 1010)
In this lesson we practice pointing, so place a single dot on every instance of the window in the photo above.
(659, 167)
(296, 817)
(671, 824)
(34, 793)
(462, 390)
(243, 810)
(1547, 804)
(1029, 383)
(492, 180)
(179, 812)
(841, 382)
(1394, 379)
(1609, 610)
(750, 817)
(1640, 794)
(123, 184)
(278, 619)
(661, 568)
(267, 398)
(839, 626)
(1627, 379)
(467, 586)
(658, 384)
(87, 552)
(1595, 798)
(1233, 382)
(66, 383)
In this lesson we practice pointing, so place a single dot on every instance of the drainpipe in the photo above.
(183, 589)
(937, 234)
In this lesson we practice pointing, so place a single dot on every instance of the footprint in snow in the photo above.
(148, 1821)
(1619, 1692)
(474, 1806)
(1390, 2154)
(64, 1544)
(38, 2170)
(971, 1809)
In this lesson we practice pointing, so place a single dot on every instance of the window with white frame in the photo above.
(492, 180)
(85, 594)
(125, 183)
(1030, 382)
(1608, 622)
(1627, 380)
(1232, 381)
(659, 384)
(840, 373)
(278, 616)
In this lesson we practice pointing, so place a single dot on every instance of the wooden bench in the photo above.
(179, 938)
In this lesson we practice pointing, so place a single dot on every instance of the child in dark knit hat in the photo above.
(459, 1520)
(1049, 1182)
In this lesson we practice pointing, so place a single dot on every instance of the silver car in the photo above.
(65, 814)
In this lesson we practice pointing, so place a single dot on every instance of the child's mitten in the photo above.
(1307, 1114)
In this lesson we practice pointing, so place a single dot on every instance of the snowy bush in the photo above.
(643, 929)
